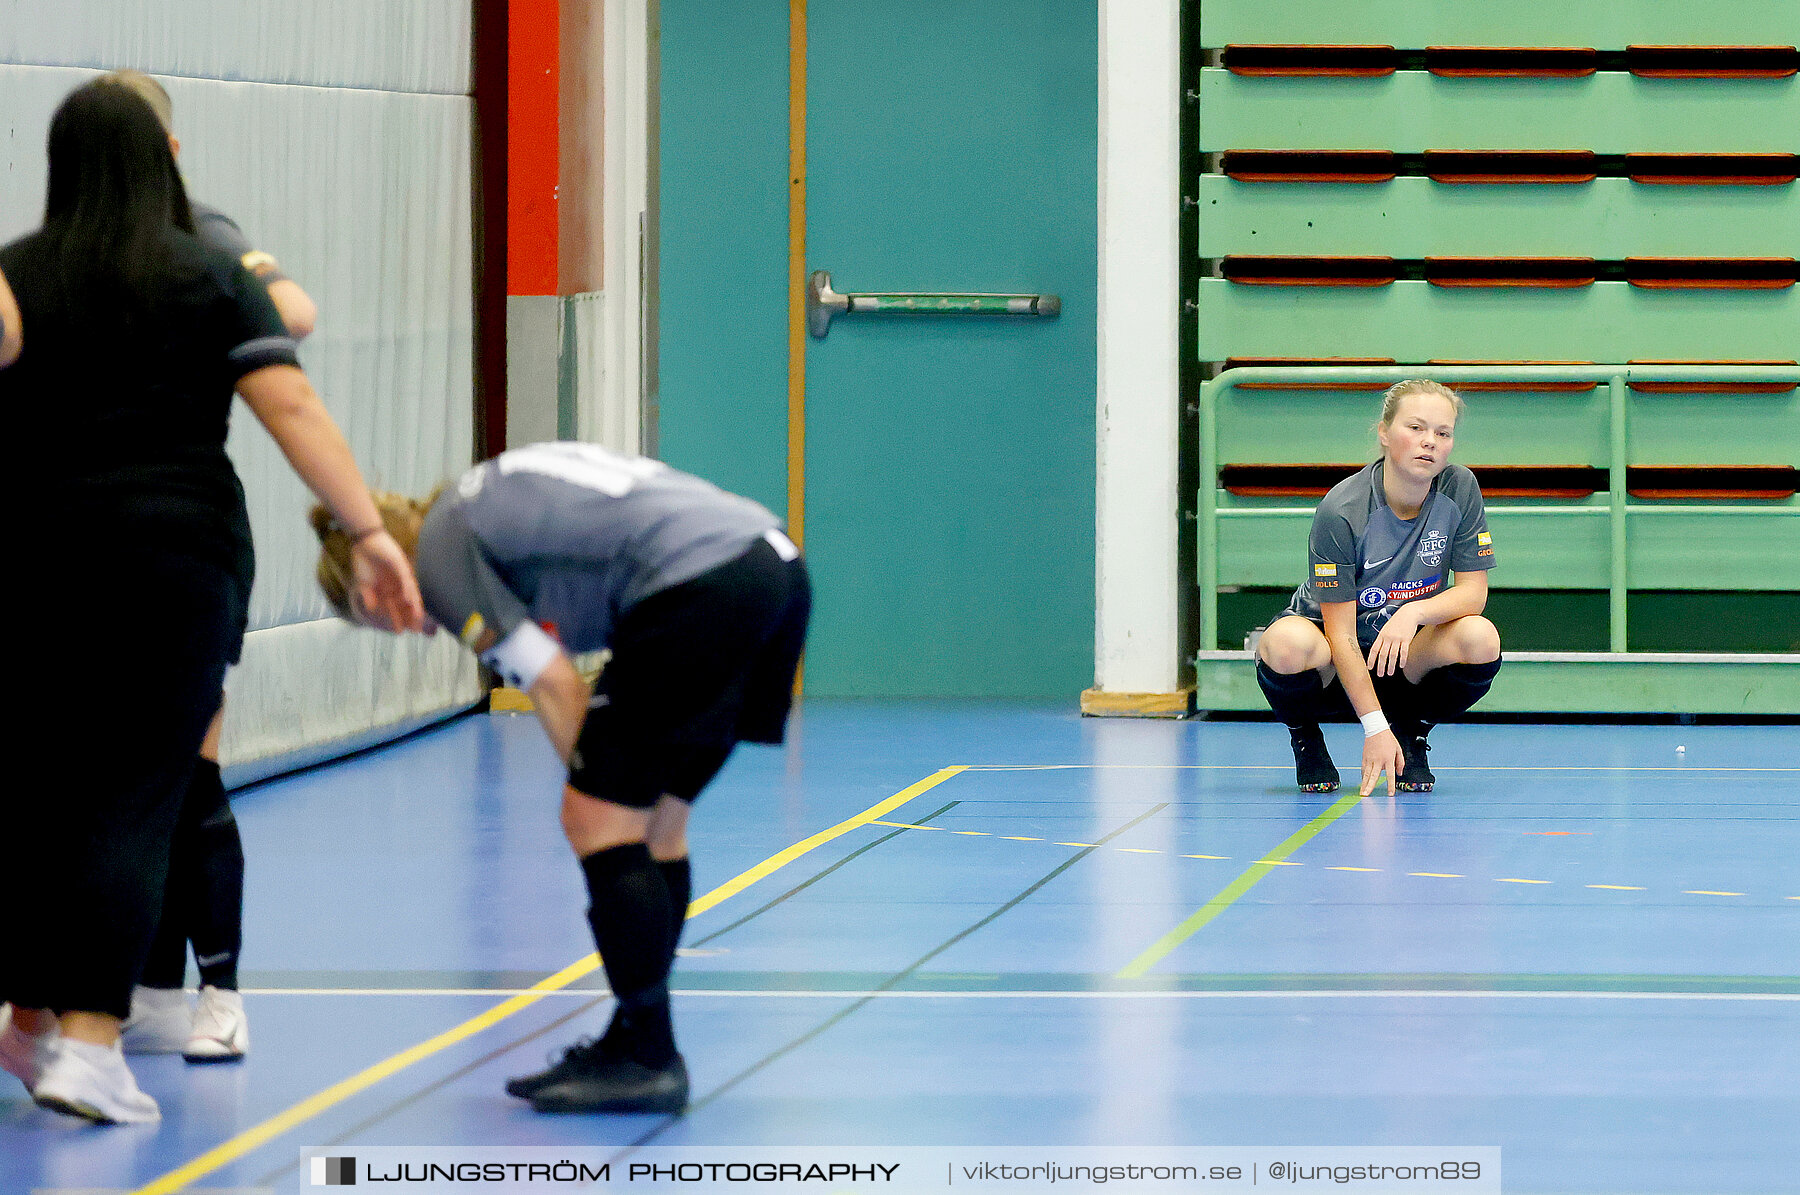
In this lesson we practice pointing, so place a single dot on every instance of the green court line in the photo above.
(1161, 948)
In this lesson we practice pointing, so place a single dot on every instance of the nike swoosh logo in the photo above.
(1373, 563)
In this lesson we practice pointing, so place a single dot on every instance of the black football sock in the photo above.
(630, 917)
(1447, 693)
(1296, 698)
(166, 965)
(1401, 701)
(215, 885)
(678, 876)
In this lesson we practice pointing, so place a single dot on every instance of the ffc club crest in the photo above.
(1431, 548)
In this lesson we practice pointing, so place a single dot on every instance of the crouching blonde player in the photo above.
(567, 548)
(1374, 631)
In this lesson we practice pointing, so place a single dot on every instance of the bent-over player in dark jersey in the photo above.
(1378, 630)
(568, 548)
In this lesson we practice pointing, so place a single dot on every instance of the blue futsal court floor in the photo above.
(1583, 948)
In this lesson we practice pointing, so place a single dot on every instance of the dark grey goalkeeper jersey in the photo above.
(569, 536)
(1362, 552)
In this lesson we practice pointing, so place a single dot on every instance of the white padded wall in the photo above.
(379, 45)
(337, 133)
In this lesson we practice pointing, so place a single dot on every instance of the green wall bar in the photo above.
(1575, 683)
(1615, 470)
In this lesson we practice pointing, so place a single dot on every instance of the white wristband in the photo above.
(1373, 724)
(522, 656)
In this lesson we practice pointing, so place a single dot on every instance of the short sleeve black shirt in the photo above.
(123, 418)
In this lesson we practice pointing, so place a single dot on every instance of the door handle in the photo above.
(823, 304)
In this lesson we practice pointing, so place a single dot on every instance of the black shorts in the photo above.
(1334, 704)
(695, 670)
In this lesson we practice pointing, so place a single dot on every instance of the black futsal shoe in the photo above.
(1313, 770)
(575, 1060)
(617, 1085)
(1416, 776)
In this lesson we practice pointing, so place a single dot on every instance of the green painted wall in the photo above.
(724, 205)
(952, 147)
(950, 463)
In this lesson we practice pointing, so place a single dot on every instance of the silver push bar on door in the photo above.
(823, 303)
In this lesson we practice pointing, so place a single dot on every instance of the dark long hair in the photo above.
(113, 195)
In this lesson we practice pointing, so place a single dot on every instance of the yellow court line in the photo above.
(1218, 904)
(1432, 875)
(255, 1138)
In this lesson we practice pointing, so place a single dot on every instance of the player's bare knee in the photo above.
(1289, 650)
(591, 824)
(1477, 640)
(667, 831)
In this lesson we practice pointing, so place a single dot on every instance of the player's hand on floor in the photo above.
(1381, 753)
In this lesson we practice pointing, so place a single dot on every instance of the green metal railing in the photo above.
(1615, 377)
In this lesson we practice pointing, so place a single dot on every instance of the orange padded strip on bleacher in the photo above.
(1500, 62)
(1712, 62)
(1308, 271)
(1712, 387)
(1560, 482)
(1555, 272)
(1509, 166)
(1712, 273)
(1303, 363)
(1308, 166)
(1734, 170)
(1519, 387)
(1763, 482)
(1311, 60)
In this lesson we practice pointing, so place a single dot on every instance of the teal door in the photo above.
(949, 516)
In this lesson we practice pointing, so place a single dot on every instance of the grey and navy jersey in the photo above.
(569, 536)
(1362, 552)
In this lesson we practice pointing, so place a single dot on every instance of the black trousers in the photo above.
(124, 672)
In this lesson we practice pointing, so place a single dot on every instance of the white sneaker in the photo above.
(92, 1082)
(221, 1031)
(160, 1022)
(21, 1054)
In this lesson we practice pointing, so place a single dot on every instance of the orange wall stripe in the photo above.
(532, 107)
